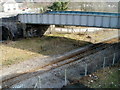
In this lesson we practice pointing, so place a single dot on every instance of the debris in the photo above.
(91, 81)
(95, 77)
(99, 85)
(89, 37)
(112, 82)
(89, 75)
(54, 65)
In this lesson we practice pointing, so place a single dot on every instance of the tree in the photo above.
(59, 6)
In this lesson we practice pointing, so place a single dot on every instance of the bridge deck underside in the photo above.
(88, 20)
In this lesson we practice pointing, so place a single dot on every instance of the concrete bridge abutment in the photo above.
(32, 30)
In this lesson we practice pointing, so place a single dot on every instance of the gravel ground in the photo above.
(55, 78)
(28, 65)
(31, 64)
(25, 66)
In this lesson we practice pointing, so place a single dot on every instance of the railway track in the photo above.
(8, 82)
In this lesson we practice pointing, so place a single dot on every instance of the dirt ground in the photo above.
(31, 51)
(18, 51)
(13, 52)
(93, 37)
(36, 51)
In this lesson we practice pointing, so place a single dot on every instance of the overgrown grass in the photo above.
(25, 49)
(107, 78)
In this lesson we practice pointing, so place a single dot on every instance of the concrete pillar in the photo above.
(51, 29)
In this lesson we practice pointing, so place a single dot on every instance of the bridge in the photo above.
(35, 24)
(73, 18)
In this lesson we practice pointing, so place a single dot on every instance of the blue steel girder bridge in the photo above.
(73, 18)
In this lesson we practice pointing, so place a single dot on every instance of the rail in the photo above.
(62, 61)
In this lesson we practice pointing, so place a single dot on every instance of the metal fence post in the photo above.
(65, 78)
(113, 59)
(35, 85)
(104, 62)
(85, 69)
(39, 80)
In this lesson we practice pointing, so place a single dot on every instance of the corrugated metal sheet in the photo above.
(73, 18)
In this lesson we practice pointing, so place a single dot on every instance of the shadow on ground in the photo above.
(47, 45)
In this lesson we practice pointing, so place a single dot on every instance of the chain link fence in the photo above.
(83, 67)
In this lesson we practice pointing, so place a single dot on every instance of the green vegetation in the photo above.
(59, 6)
(106, 78)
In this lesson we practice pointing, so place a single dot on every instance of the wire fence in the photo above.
(83, 67)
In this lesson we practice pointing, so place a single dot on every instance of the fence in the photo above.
(73, 72)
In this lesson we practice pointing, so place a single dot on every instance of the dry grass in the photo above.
(25, 49)
(52, 44)
(93, 37)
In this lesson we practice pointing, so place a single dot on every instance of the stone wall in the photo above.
(12, 25)
(20, 30)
